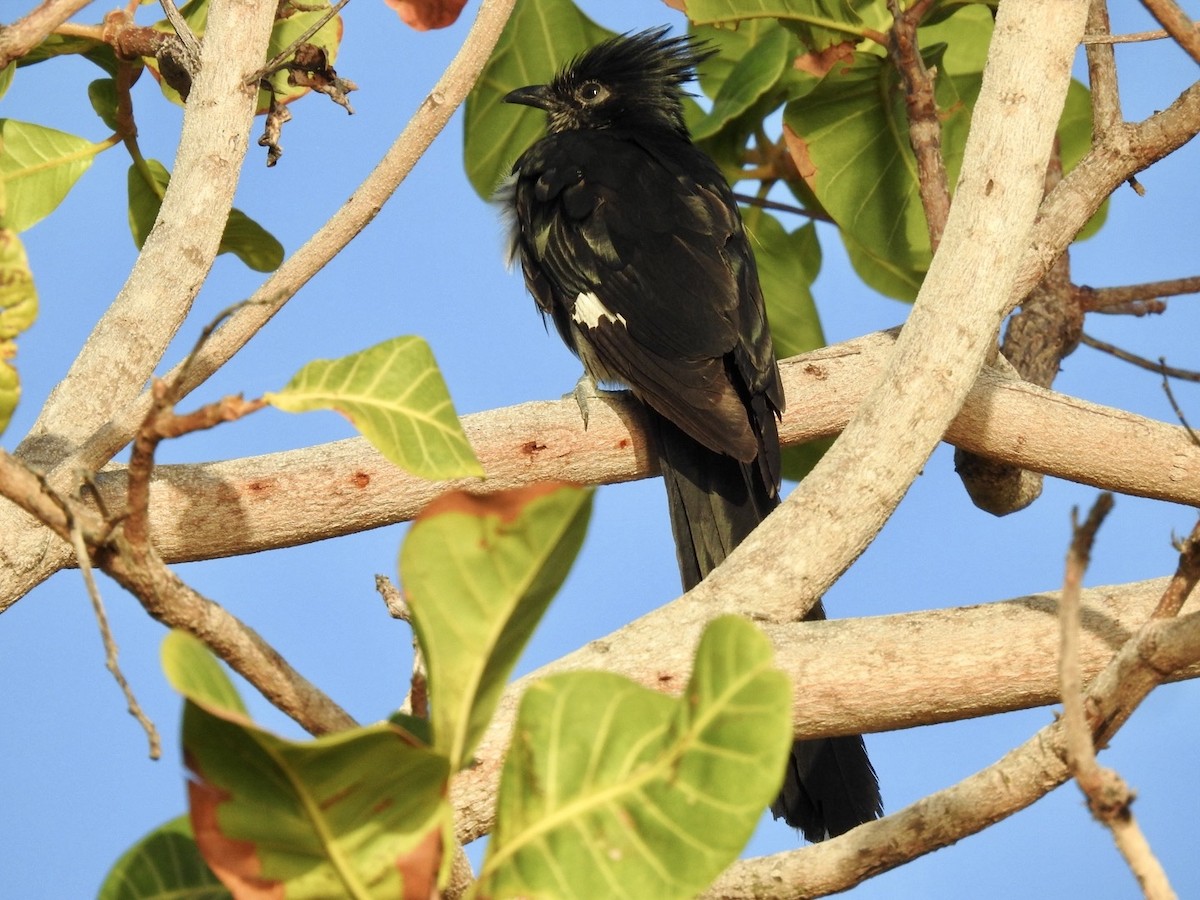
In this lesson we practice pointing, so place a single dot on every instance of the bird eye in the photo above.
(591, 92)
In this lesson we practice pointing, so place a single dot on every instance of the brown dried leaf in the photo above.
(424, 15)
(797, 148)
(820, 64)
(235, 862)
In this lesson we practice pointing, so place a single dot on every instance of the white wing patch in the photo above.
(590, 309)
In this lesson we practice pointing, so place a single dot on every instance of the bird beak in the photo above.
(536, 95)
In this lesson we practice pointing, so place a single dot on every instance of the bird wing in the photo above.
(638, 254)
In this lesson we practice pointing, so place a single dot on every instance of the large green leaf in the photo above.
(394, 394)
(164, 865)
(18, 309)
(850, 138)
(540, 36)
(243, 237)
(360, 813)
(611, 789)
(38, 166)
(750, 81)
(478, 574)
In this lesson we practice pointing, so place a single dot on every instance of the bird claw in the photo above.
(584, 392)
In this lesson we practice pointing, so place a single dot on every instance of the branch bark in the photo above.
(847, 498)
(259, 503)
(900, 670)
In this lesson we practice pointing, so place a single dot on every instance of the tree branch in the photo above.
(845, 500)
(282, 499)
(31, 29)
(1021, 777)
(1178, 25)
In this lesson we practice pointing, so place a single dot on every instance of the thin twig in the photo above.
(1102, 74)
(764, 203)
(1139, 361)
(1134, 37)
(276, 61)
(110, 645)
(1081, 753)
(1185, 579)
(1177, 23)
(1162, 363)
(1104, 299)
(1109, 797)
(924, 127)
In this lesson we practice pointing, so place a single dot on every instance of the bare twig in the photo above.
(924, 127)
(1102, 73)
(1134, 37)
(1177, 23)
(1105, 299)
(1140, 361)
(1081, 754)
(79, 545)
(1109, 797)
(1162, 363)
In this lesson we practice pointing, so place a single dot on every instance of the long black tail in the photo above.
(715, 502)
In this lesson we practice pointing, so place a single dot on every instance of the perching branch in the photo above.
(282, 499)
(1177, 23)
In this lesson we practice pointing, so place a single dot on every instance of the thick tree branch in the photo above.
(282, 499)
(845, 500)
(1178, 24)
(901, 670)
(1021, 777)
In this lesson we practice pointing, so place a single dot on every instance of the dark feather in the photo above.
(631, 242)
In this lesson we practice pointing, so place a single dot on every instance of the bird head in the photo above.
(633, 81)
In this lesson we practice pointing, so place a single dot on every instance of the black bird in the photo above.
(632, 243)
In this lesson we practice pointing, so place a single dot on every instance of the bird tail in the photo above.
(715, 501)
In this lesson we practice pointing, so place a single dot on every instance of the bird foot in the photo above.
(585, 391)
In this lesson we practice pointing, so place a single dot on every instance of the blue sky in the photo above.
(76, 781)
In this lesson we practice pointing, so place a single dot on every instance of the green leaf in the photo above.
(195, 673)
(850, 139)
(788, 264)
(103, 95)
(540, 36)
(359, 813)
(611, 789)
(164, 865)
(478, 574)
(1075, 140)
(749, 82)
(18, 310)
(395, 395)
(6, 77)
(92, 49)
(147, 184)
(38, 166)
(818, 23)
(251, 243)
(243, 237)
